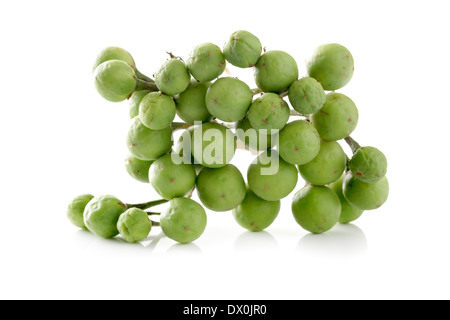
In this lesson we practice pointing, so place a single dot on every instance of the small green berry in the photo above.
(134, 225)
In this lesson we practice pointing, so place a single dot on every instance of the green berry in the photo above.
(299, 142)
(327, 166)
(173, 77)
(228, 99)
(101, 215)
(270, 177)
(135, 101)
(115, 80)
(332, 65)
(254, 213)
(213, 145)
(269, 112)
(114, 53)
(275, 71)
(191, 105)
(243, 49)
(171, 180)
(365, 196)
(316, 208)
(306, 95)
(258, 140)
(134, 225)
(349, 213)
(184, 220)
(368, 164)
(138, 169)
(338, 117)
(76, 208)
(147, 144)
(206, 62)
(221, 189)
(157, 111)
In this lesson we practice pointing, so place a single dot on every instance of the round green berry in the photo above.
(243, 49)
(101, 215)
(349, 213)
(338, 117)
(206, 62)
(306, 95)
(299, 142)
(365, 196)
(173, 77)
(228, 99)
(147, 144)
(332, 65)
(275, 71)
(221, 189)
(134, 225)
(115, 80)
(254, 213)
(157, 111)
(76, 208)
(171, 179)
(191, 105)
(270, 177)
(368, 164)
(114, 53)
(213, 145)
(258, 140)
(327, 166)
(269, 112)
(316, 208)
(184, 220)
(137, 168)
(135, 101)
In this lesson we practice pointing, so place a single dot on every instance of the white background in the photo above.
(59, 138)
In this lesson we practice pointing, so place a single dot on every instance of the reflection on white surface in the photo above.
(255, 241)
(344, 240)
(188, 248)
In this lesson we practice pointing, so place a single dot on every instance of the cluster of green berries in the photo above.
(218, 112)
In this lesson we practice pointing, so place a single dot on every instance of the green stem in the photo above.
(142, 76)
(155, 224)
(150, 213)
(147, 205)
(256, 91)
(180, 125)
(284, 94)
(352, 143)
(145, 85)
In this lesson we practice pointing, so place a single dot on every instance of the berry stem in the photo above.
(155, 223)
(153, 213)
(352, 143)
(284, 94)
(145, 85)
(142, 76)
(256, 91)
(147, 205)
(180, 125)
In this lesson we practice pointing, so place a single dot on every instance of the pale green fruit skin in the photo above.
(365, 196)
(242, 49)
(157, 111)
(349, 213)
(228, 99)
(256, 214)
(368, 164)
(134, 225)
(114, 53)
(277, 184)
(204, 145)
(147, 144)
(316, 208)
(299, 142)
(269, 112)
(171, 180)
(173, 77)
(275, 71)
(135, 101)
(206, 62)
(306, 95)
(115, 80)
(259, 141)
(137, 169)
(338, 117)
(191, 105)
(76, 208)
(101, 215)
(332, 65)
(221, 189)
(327, 166)
(184, 221)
